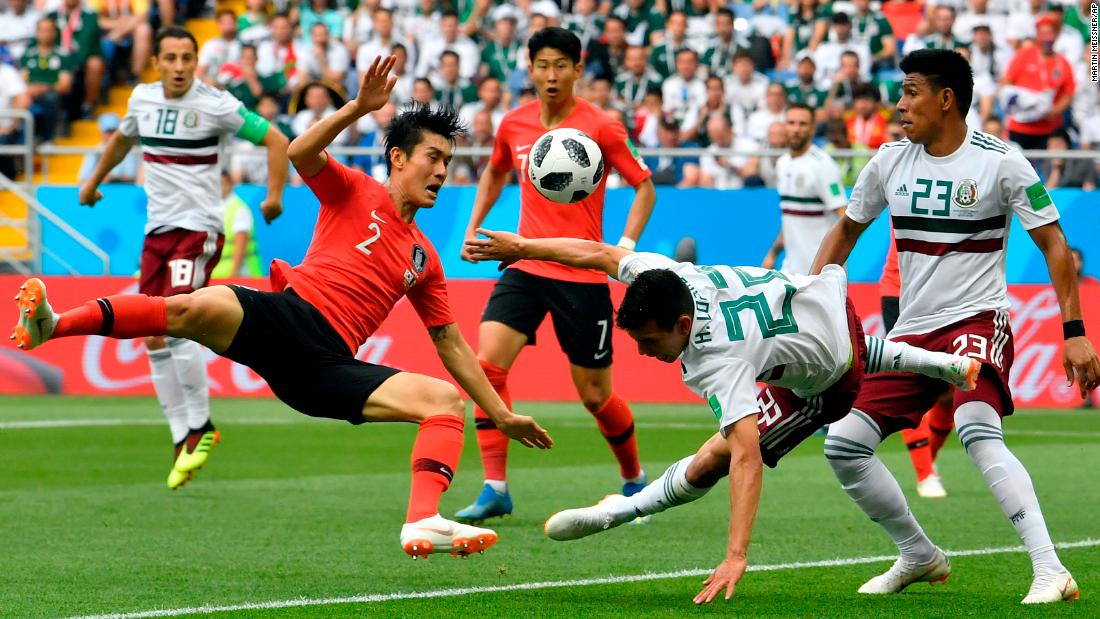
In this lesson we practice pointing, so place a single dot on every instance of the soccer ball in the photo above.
(566, 165)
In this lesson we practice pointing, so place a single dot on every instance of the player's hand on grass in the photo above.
(271, 209)
(523, 429)
(89, 194)
(1080, 362)
(503, 246)
(725, 576)
(375, 85)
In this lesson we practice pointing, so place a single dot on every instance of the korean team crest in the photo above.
(191, 119)
(419, 258)
(966, 194)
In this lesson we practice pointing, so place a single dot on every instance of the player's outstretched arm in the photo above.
(488, 192)
(461, 363)
(746, 479)
(773, 253)
(838, 243)
(307, 151)
(116, 150)
(277, 163)
(645, 197)
(1078, 356)
(508, 248)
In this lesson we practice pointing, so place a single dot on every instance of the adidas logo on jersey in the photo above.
(902, 191)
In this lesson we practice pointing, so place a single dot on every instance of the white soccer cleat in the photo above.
(37, 319)
(904, 573)
(931, 487)
(436, 534)
(1049, 587)
(584, 521)
(960, 372)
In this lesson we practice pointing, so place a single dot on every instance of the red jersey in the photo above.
(1029, 69)
(890, 284)
(363, 258)
(542, 218)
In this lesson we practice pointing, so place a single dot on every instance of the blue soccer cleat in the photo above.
(631, 488)
(489, 504)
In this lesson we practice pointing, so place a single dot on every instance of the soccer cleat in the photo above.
(436, 534)
(177, 479)
(961, 372)
(584, 521)
(630, 489)
(192, 455)
(37, 319)
(931, 487)
(489, 504)
(904, 573)
(1049, 587)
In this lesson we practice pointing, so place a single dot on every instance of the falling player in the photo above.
(578, 301)
(180, 122)
(730, 327)
(366, 254)
(951, 192)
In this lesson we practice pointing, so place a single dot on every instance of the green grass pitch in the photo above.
(295, 508)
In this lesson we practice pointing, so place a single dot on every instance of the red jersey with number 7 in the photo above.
(363, 258)
(543, 218)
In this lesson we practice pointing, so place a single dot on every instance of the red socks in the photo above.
(916, 439)
(616, 423)
(435, 457)
(940, 420)
(492, 443)
(122, 316)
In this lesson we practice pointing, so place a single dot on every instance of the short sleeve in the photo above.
(501, 158)
(1024, 193)
(729, 387)
(621, 154)
(884, 27)
(128, 126)
(207, 53)
(832, 186)
(637, 263)
(333, 183)
(429, 296)
(868, 198)
(229, 113)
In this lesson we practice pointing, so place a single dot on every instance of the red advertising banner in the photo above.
(96, 365)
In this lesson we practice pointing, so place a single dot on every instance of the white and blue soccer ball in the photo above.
(566, 165)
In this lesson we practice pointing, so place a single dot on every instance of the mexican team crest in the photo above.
(966, 194)
(191, 119)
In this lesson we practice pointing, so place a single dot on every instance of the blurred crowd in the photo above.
(677, 73)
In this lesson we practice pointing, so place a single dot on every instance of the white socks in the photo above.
(668, 490)
(889, 356)
(190, 360)
(169, 392)
(850, 449)
(498, 485)
(979, 428)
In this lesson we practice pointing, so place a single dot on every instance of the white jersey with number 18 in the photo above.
(810, 192)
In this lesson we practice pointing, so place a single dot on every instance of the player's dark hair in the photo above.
(801, 106)
(943, 68)
(553, 37)
(173, 32)
(658, 295)
(407, 129)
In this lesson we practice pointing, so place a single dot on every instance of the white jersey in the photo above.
(951, 218)
(810, 192)
(181, 142)
(753, 324)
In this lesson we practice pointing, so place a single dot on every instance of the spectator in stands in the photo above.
(278, 59)
(450, 87)
(663, 57)
(431, 50)
(382, 41)
(804, 88)
(544, 13)
(1061, 172)
(635, 78)
(721, 169)
(808, 28)
(222, 49)
(125, 24)
(320, 12)
(13, 96)
(371, 129)
(760, 122)
(722, 46)
(1021, 24)
(1042, 88)
(827, 55)
(252, 25)
(490, 99)
(1067, 41)
(403, 87)
(867, 121)
(18, 25)
(468, 168)
(128, 172)
(599, 93)
(614, 40)
(836, 136)
(1079, 17)
(942, 35)
(647, 118)
(640, 20)
(986, 56)
(500, 55)
(586, 22)
(871, 28)
(242, 79)
(47, 72)
(319, 104)
(684, 90)
(693, 128)
(324, 59)
(776, 140)
(993, 126)
(668, 170)
(746, 89)
(1085, 108)
(978, 15)
(79, 28)
(423, 91)
(848, 78)
(239, 256)
(248, 161)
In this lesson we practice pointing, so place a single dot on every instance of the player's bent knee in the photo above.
(437, 397)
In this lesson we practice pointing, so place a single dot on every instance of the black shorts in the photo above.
(292, 346)
(891, 309)
(582, 313)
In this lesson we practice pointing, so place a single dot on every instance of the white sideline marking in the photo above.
(550, 584)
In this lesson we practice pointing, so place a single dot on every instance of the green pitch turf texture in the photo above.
(296, 508)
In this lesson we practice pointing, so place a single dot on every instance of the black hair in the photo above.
(742, 54)
(801, 106)
(173, 32)
(248, 46)
(449, 13)
(614, 18)
(553, 37)
(448, 52)
(407, 129)
(867, 91)
(658, 295)
(669, 123)
(687, 50)
(840, 17)
(403, 48)
(724, 11)
(849, 52)
(943, 68)
(715, 76)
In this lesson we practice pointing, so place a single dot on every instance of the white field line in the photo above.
(550, 584)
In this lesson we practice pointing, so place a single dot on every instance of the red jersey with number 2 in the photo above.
(543, 218)
(363, 258)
